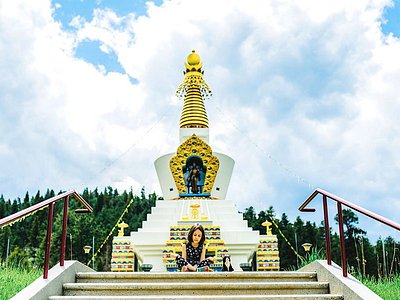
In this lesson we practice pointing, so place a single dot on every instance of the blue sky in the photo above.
(89, 50)
(392, 19)
(305, 96)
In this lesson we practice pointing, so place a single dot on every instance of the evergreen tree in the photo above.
(352, 234)
(27, 200)
(2, 207)
(250, 215)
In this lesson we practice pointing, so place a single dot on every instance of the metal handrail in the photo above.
(340, 202)
(50, 203)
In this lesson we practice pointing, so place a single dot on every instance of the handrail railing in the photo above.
(50, 203)
(340, 202)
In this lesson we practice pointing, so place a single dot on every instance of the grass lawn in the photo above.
(388, 289)
(13, 280)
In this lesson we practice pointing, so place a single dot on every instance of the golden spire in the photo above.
(194, 90)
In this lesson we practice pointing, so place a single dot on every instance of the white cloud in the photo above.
(303, 93)
(127, 183)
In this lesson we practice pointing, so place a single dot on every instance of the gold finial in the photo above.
(193, 90)
(122, 226)
(193, 58)
(268, 227)
(193, 62)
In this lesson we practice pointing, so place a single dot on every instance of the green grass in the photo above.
(14, 279)
(388, 289)
(313, 255)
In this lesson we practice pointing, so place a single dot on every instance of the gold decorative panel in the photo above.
(194, 147)
(195, 211)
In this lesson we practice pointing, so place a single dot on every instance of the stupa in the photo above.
(194, 181)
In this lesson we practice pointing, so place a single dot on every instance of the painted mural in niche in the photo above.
(194, 168)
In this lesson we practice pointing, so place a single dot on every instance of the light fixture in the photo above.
(307, 246)
(87, 249)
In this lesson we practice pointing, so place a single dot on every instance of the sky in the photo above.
(304, 96)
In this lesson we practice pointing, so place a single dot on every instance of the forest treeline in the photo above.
(23, 243)
(363, 258)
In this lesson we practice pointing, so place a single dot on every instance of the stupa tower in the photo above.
(194, 90)
(215, 169)
(194, 181)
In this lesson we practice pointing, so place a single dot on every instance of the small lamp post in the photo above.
(307, 247)
(87, 249)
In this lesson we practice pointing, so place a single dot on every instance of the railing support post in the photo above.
(64, 231)
(48, 240)
(327, 231)
(50, 203)
(342, 244)
(346, 203)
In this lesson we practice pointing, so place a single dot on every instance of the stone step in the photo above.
(197, 297)
(130, 277)
(190, 289)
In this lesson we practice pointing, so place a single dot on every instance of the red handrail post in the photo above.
(64, 231)
(303, 207)
(342, 244)
(327, 231)
(48, 240)
(50, 203)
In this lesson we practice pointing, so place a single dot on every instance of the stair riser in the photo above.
(166, 292)
(226, 277)
(200, 280)
(214, 297)
(212, 286)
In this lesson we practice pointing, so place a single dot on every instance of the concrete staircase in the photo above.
(218, 285)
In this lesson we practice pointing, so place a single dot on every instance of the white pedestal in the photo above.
(150, 240)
